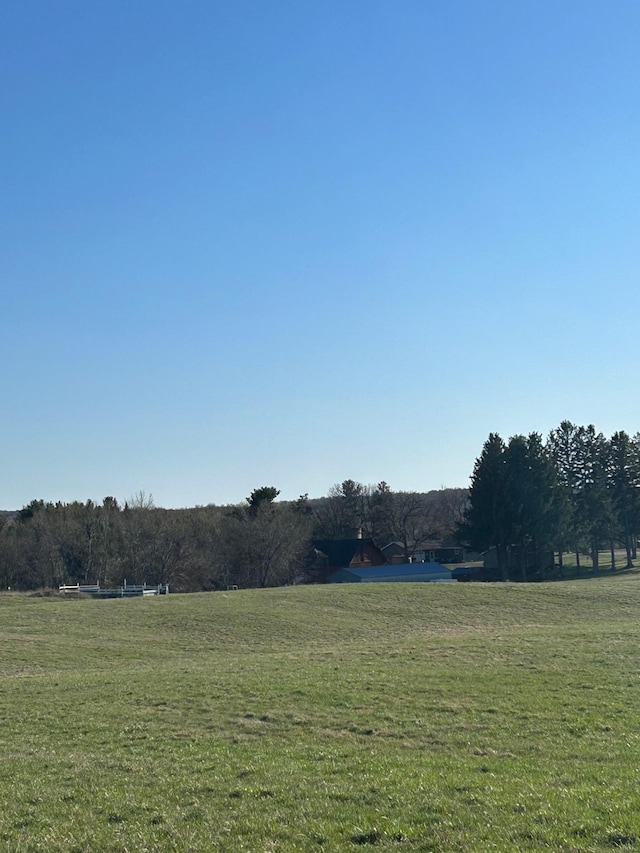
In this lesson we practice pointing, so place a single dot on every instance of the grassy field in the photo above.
(433, 717)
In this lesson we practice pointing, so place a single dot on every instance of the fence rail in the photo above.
(126, 591)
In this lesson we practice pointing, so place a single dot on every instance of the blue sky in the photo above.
(286, 243)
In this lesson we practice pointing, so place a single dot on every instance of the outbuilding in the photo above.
(403, 573)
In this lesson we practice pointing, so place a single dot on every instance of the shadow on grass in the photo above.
(573, 573)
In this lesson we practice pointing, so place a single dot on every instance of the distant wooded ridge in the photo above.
(261, 542)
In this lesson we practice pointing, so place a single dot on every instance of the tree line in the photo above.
(575, 492)
(260, 542)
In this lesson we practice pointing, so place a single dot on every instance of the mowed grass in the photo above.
(408, 717)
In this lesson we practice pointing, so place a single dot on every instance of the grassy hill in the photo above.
(389, 717)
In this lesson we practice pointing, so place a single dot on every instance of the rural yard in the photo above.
(413, 717)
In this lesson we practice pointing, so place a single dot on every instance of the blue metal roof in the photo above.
(392, 571)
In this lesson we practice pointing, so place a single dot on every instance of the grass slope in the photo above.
(389, 717)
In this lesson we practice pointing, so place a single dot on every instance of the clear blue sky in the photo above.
(284, 243)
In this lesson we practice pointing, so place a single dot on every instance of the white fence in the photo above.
(126, 591)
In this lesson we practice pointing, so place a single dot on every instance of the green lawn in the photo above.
(408, 717)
